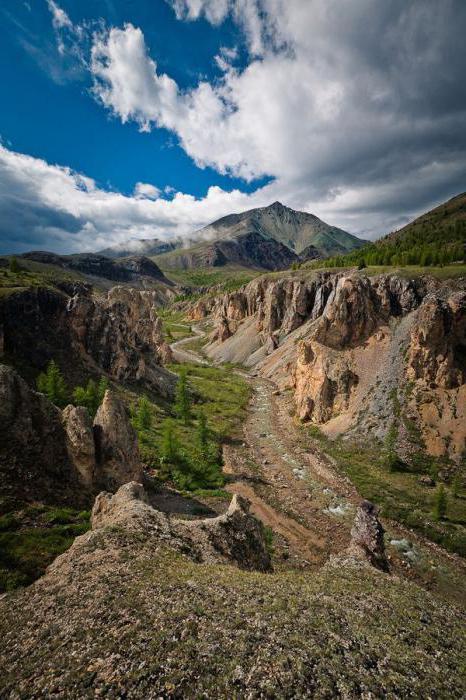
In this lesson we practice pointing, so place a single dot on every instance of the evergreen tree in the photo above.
(202, 432)
(143, 416)
(440, 504)
(52, 384)
(90, 396)
(169, 449)
(182, 404)
(14, 266)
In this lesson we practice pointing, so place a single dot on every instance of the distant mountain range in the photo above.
(140, 246)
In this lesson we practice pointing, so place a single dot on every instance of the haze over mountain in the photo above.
(142, 246)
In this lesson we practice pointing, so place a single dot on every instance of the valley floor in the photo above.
(299, 493)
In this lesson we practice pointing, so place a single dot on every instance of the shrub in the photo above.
(14, 266)
(90, 396)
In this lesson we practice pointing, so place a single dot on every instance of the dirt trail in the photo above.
(182, 355)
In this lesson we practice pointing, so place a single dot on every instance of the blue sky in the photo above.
(136, 118)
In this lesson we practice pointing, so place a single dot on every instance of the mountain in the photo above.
(295, 229)
(249, 249)
(268, 238)
(144, 246)
(437, 237)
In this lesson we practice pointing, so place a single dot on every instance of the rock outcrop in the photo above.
(118, 333)
(367, 536)
(34, 460)
(58, 456)
(80, 442)
(234, 537)
(117, 455)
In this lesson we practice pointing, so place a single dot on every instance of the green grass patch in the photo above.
(30, 539)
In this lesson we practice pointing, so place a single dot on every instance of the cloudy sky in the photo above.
(151, 118)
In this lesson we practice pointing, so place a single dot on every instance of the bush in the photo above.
(14, 266)
(142, 414)
(52, 384)
(393, 463)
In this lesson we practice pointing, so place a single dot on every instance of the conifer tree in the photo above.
(440, 505)
(52, 384)
(182, 400)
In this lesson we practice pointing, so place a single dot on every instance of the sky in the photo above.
(125, 119)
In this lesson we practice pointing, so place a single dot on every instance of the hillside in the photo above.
(438, 237)
(295, 229)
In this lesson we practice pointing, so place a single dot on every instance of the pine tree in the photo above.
(440, 505)
(143, 413)
(90, 396)
(202, 432)
(169, 448)
(182, 401)
(52, 384)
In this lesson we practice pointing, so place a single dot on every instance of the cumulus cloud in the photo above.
(143, 190)
(355, 110)
(337, 96)
(49, 206)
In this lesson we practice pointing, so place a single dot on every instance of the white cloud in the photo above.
(59, 17)
(143, 190)
(339, 94)
(355, 109)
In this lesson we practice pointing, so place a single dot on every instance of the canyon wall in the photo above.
(375, 356)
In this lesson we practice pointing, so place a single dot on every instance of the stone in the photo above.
(367, 536)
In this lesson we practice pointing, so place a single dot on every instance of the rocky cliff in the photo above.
(361, 354)
(118, 333)
(61, 457)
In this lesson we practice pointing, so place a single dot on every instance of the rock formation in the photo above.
(117, 455)
(234, 537)
(367, 536)
(118, 333)
(34, 460)
(58, 456)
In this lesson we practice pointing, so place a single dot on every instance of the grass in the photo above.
(31, 536)
(32, 274)
(218, 392)
(227, 278)
(175, 326)
(399, 495)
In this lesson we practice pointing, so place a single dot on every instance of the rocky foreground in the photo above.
(145, 607)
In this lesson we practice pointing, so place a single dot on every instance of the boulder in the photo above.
(367, 536)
